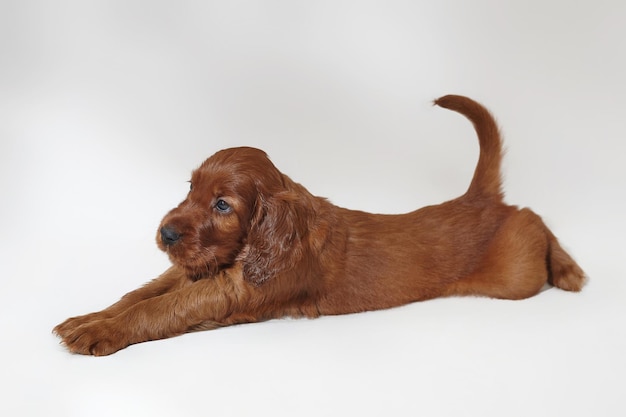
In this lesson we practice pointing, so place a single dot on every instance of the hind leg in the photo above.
(514, 265)
(564, 271)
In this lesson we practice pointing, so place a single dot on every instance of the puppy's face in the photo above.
(208, 230)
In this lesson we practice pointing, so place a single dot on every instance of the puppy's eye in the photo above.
(222, 206)
(190, 185)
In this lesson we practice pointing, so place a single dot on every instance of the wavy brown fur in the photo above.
(249, 244)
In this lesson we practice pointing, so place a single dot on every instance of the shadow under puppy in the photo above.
(249, 244)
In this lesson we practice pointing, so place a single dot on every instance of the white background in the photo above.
(107, 106)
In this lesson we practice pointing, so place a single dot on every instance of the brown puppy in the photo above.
(249, 244)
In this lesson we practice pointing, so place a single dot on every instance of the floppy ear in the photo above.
(275, 239)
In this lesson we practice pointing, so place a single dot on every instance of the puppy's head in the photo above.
(239, 208)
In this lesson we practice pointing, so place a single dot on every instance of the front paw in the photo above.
(98, 338)
(71, 324)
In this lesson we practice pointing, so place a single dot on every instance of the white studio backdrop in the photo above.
(107, 106)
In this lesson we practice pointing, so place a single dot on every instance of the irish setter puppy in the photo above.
(249, 244)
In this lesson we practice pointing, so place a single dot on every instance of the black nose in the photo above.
(169, 235)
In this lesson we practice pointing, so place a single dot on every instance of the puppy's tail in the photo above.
(486, 181)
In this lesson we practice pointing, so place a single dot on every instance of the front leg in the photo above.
(167, 315)
(171, 280)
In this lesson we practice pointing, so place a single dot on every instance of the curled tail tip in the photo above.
(449, 100)
(442, 98)
(440, 101)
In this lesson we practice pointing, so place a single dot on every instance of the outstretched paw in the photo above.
(73, 323)
(98, 338)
